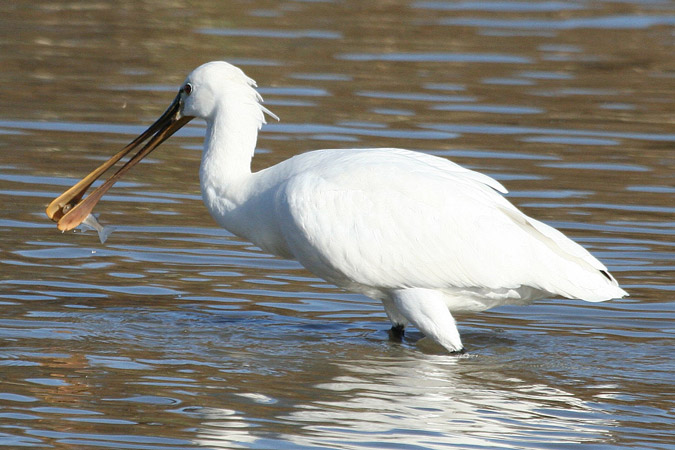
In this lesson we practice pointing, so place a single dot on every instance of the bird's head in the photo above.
(215, 84)
(205, 91)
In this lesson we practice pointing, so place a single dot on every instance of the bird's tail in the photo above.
(578, 273)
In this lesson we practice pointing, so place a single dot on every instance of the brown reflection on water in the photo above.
(175, 334)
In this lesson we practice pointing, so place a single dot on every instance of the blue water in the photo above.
(175, 334)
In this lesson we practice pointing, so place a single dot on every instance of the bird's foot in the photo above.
(396, 333)
(459, 352)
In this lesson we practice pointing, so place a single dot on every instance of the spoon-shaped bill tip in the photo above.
(69, 210)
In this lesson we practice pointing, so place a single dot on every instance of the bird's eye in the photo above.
(187, 89)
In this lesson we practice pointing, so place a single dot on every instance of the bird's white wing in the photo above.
(392, 219)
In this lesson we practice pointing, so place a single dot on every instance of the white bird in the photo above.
(421, 234)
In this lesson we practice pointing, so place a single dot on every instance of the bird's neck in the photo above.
(225, 171)
(228, 147)
(230, 142)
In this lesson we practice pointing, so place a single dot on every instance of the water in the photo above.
(178, 335)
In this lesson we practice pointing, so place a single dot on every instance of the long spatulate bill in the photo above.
(69, 210)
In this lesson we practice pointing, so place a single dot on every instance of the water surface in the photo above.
(175, 334)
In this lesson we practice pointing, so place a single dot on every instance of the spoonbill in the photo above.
(420, 233)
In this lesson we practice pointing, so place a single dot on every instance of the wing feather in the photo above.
(390, 219)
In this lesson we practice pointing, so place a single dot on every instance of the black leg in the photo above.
(396, 333)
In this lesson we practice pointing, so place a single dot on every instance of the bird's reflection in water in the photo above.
(429, 401)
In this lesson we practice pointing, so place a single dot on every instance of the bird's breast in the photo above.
(250, 217)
